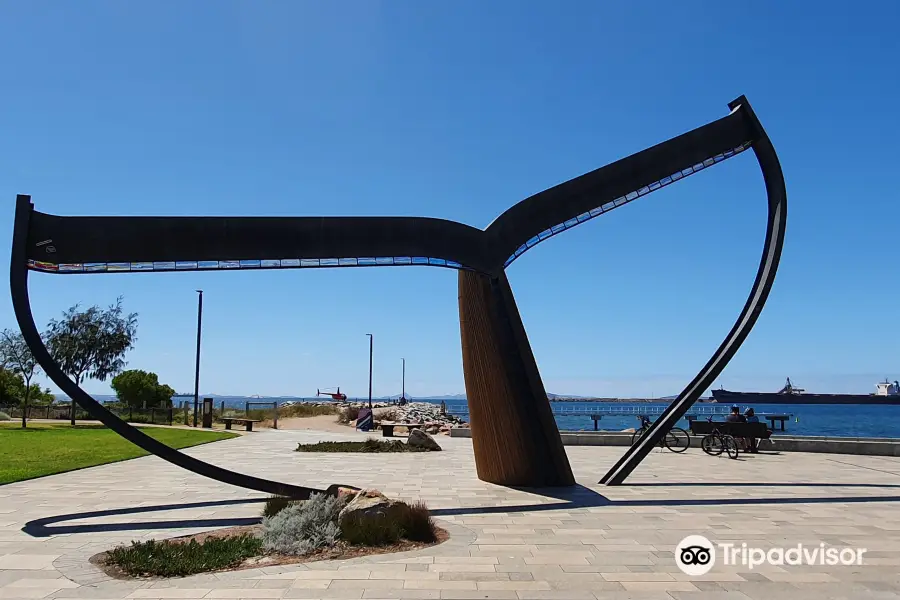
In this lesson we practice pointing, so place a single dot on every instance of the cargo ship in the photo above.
(885, 393)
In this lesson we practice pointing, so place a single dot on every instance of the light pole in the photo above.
(197, 370)
(403, 394)
(371, 343)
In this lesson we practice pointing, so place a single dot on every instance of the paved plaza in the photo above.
(583, 543)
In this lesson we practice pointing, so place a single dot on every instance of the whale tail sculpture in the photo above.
(515, 437)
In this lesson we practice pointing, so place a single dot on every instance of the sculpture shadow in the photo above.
(576, 497)
(46, 527)
(583, 497)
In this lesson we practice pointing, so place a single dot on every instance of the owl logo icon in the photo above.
(695, 555)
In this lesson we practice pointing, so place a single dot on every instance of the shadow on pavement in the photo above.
(41, 527)
(578, 496)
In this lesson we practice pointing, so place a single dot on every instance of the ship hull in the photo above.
(726, 396)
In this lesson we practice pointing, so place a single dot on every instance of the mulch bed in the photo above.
(339, 551)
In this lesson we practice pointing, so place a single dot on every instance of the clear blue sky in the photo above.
(458, 110)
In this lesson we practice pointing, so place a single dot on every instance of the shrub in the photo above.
(402, 521)
(303, 527)
(417, 524)
(4, 416)
(348, 414)
(175, 559)
(370, 445)
(368, 531)
(276, 504)
(389, 415)
(305, 410)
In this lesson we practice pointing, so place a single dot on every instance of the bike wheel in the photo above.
(678, 440)
(712, 444)
(730, 445)
(637, 435)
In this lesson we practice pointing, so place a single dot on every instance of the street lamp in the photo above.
(403, 394)
(197, 371)
(371, 343)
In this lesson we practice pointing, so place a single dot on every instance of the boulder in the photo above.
(420, 439)
(367, 504)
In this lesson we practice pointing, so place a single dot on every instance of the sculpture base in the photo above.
(514, 435)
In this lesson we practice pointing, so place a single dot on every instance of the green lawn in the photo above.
(48, 448)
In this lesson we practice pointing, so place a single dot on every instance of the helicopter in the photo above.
(334, 395)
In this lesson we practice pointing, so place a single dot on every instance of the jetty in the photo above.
(698, 411)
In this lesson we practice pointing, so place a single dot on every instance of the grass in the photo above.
(370, 445)
(305, 410)
(176, 559)
(49, 448)
(403, 521)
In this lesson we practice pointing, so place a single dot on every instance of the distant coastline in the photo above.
(228, 399)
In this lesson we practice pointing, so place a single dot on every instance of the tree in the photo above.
(91, 344)
(11, 385)
(12, 390)
(140, 389)
(16, 357)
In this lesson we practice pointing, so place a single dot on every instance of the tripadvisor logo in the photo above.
(695, 555)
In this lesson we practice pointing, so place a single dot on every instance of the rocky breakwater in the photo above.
(423, 413)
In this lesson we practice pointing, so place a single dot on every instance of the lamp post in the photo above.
(197, 370)
(403, 394)
(371, 343)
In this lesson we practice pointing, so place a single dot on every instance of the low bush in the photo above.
(175, 559)
(276, 504)
(305, 410)
(403, 521)
(4, 416)
(370, 445)
(389, 415)
(303, 527)
(416, 522)
(362, 531)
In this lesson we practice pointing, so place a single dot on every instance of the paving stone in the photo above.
(590, 542)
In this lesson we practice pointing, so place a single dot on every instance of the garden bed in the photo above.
(302, 534)
(340, 551)
(371, 445)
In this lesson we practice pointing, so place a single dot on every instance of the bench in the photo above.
(737, 430)
(387, 427)
(248, 422)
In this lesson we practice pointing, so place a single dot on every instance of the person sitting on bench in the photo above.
(735, 416)
(751, 417)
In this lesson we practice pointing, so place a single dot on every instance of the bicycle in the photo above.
(676, 439)
(716, 443)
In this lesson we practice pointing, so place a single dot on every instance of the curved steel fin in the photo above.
(765, 277)
(18, 280)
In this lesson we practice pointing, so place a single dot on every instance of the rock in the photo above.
(367, 504)
(420, 439)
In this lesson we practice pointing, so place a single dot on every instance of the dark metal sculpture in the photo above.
(515, 438)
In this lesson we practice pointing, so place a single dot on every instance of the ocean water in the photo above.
(837, 420)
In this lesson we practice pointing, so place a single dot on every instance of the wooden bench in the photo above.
(387, 427)
(737, 430)
(248, 422)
